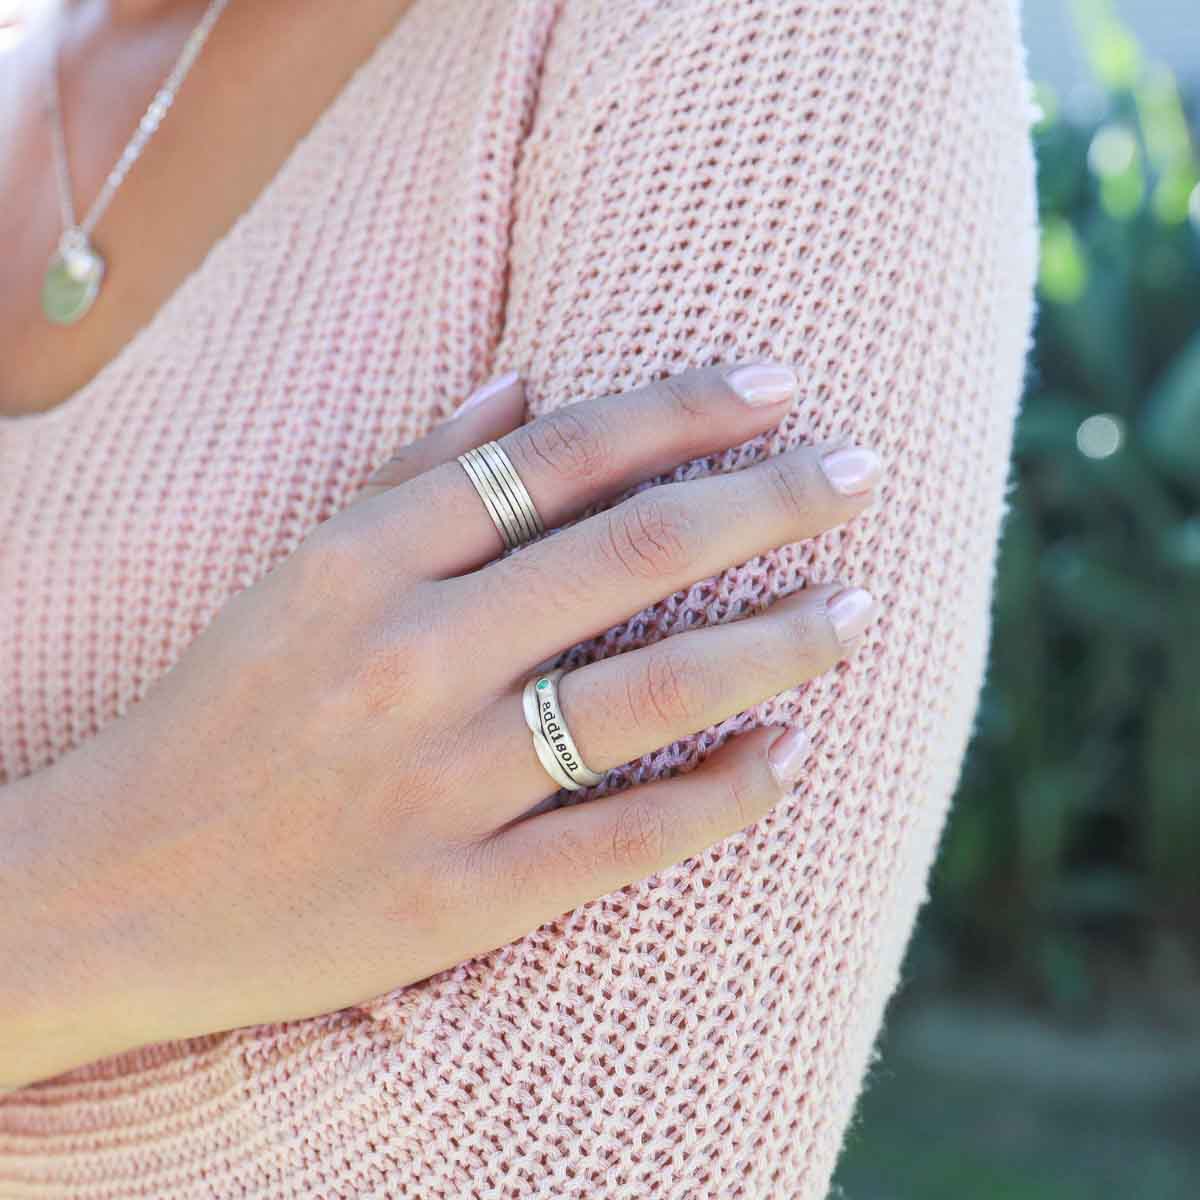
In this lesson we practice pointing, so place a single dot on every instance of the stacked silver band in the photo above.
(552, 741)
(503, 494)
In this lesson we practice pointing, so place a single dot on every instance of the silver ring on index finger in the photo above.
(503, 493)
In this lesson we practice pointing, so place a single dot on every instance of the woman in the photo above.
(290, 911)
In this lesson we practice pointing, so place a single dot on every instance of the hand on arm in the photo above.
(332, 793)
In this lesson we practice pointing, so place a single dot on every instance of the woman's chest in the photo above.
(348, 309)
(262, 79)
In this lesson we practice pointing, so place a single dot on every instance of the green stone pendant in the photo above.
(72, 281)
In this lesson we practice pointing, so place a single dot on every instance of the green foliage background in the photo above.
(1073, 855)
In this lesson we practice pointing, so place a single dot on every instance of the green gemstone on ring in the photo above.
(543, 684)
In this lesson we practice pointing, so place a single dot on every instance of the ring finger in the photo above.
(625, 706)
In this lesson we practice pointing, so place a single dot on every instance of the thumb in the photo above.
(489, 411)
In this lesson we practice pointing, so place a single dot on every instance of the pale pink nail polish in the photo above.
(852, 469)
(763, 383)
(851, 610)
(482, 394)
(787, 756)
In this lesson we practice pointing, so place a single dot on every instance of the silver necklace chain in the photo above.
(83, 263)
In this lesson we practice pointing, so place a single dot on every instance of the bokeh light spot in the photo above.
(1100, 435)
(1113, 151)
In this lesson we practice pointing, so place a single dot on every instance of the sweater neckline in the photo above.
(214, 260)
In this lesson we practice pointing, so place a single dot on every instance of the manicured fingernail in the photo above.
(763, 383)
(852, 469)
(481, 395)
(851, 610)
(787, 756)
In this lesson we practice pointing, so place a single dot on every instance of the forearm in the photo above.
(62, 943)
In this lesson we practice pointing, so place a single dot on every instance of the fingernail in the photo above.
(787, 755)
(851, 610)
(852, 469)
(482, 394)
(763, 383)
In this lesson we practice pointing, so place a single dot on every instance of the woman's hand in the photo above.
(333, 792)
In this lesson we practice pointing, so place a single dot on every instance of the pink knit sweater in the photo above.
(597, 192)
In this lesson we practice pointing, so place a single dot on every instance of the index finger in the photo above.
(583, 453)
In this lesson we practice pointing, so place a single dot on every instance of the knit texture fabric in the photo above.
(597, 192)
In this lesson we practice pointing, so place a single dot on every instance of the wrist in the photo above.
(67, 933)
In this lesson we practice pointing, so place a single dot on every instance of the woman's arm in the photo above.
(849, 187)
(60, 945)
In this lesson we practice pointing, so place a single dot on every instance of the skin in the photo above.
(114, 56)
(333, 792)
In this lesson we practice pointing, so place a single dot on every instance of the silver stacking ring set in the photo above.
(511, 507)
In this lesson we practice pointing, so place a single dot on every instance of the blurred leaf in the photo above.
(1064, 272)
(1062, 168)
(1122, 195)
(1088, 335)
(1079, 807)
(1173, 780)
(1063, 971)
(1115, 158)
(1172, 197)
(1099, 597)
(1181, 546)
(1112, 51)
(1172, 417)
(1094, 895)
(1168, 145)
(1046, 101)
(968, 851)
(1049, 422)
(1045, 810)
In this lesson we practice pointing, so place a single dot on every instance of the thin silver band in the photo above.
(519, 526)
(512, 527)
(543, 715)
(501, 508)
(487, 493)
(508, 473)
(505, 497)
(513, 488)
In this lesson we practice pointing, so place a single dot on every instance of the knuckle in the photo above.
(556, 589)
(333, 552)
(377, 678)
(573, 854)
(480, 870)
(807, 639)
(744, 802)
(573, 446)
(639, 837)
(405, 465)
(423, 899)
(686, 395)
(789, 487)
(518, 879)
(395, 662)
(672, 688)
(649, 535)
